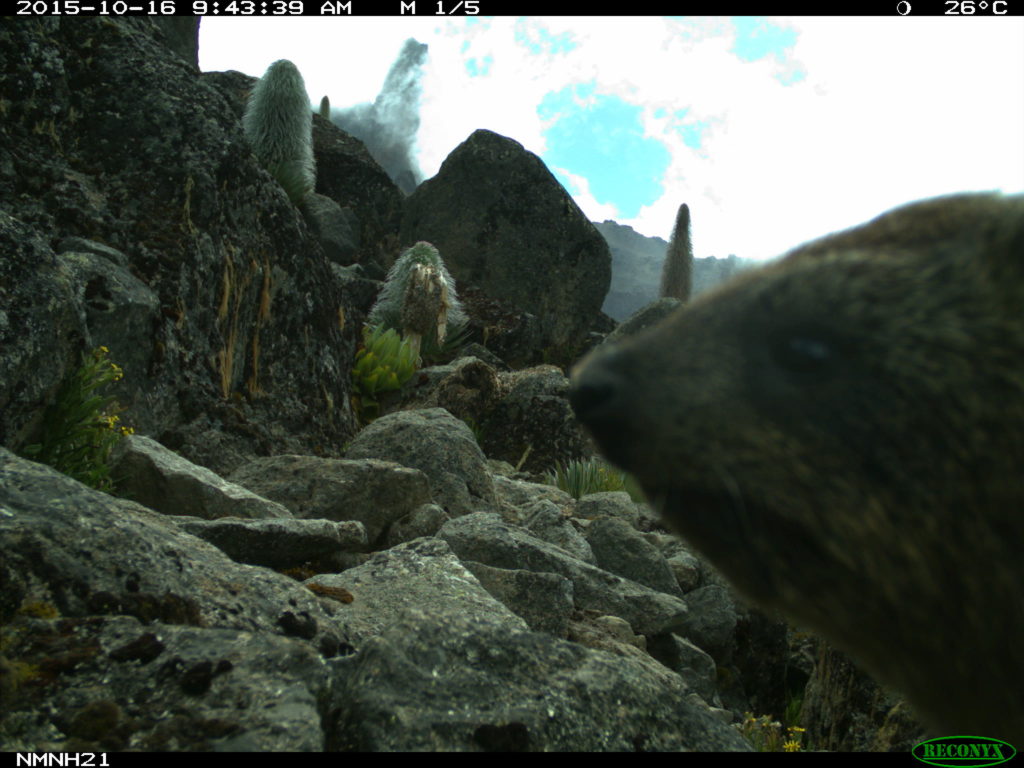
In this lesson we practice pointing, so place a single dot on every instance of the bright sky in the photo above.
(774, 130)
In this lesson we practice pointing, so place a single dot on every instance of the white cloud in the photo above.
(347, 59)
(579, 188)
(889, 112)
(890, 109)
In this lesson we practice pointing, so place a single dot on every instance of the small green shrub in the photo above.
(80, 429)
(767, 735)
(383, 364)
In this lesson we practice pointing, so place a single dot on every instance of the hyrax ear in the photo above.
(1009, 241)
(992, 232)
(979, 227)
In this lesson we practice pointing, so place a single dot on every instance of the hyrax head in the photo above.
(842, 434)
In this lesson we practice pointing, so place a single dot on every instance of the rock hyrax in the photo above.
(842, 434)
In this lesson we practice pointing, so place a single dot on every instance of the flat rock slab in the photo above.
(278, 543)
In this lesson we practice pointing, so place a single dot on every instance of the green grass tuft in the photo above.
(578, 478)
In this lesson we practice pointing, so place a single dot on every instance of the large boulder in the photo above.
(438, 444)
(108, 137)
(348, 175)
(533, 427)
(504, 224)
(375, 493)
(451, 681)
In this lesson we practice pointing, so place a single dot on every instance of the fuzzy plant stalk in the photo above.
(677, 270)
(425, 306)
(325, 108)
(418, 298)
(279, 124)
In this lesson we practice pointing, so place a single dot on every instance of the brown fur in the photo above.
(842, 434)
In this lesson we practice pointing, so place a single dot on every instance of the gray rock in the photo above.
(480, 352)
(181, 36)
(160, 479)
(120, 313)
(359, 290)
(171, 688)
(614, 635)
(500, 220)
(542, 600)
(465, 683)
(523, 494)
(620, 630)
(695, 666)
(636, 268)
(205, 442)
(375, 493)
(616, 504)
(336, 228)
(467, 388)
(38, 296)
(411, 576)
(425, 520)
(838, 688)
(483, 537)
(546, 521)
(438, 444)
(514, 336)
(767, 665)
(278, 543)
(347, 174)
(711, 623)
(84, 245)
(686, 569)
(88, 553)
(619, 548)
(534, 420)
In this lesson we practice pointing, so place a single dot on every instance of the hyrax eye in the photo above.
(806, 353)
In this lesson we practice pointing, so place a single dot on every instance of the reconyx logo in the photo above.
(963, 751)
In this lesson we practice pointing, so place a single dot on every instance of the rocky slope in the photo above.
(267, 574)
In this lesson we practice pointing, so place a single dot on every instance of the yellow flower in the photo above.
(791, 746)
